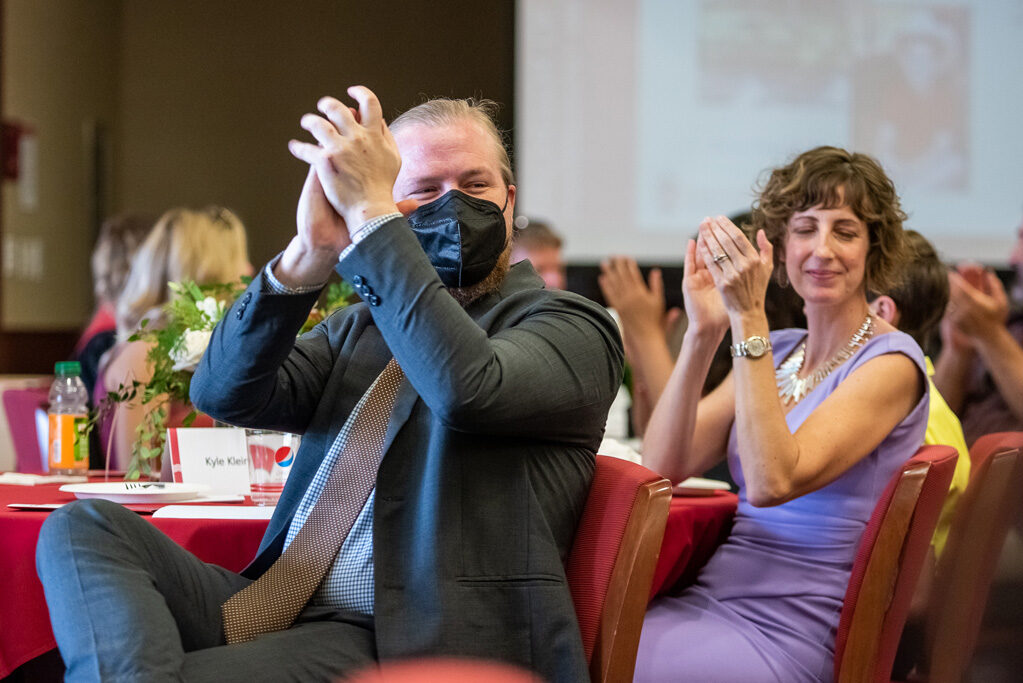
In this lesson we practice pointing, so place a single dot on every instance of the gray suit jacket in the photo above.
(488, 455)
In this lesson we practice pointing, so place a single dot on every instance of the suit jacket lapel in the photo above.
(369, 356)
(403, 404)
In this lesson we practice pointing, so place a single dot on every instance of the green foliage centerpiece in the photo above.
(177, 342)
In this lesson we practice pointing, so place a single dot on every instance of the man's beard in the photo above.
(491, 283)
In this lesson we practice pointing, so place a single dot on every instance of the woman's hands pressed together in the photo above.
(739, 271)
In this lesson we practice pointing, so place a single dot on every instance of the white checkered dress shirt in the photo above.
(349, 581)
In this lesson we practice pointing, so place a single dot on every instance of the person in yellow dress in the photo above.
(915, 306)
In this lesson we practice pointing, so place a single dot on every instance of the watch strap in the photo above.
(742, 349)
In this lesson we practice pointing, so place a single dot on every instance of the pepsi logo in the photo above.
(284, 456)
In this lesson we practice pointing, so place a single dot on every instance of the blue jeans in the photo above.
(129, 604)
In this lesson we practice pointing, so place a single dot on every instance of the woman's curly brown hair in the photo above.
(831, 177)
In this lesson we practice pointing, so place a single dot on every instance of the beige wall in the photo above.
(206, 95)
(212, 91)
(60, 77)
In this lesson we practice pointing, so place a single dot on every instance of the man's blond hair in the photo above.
(445, 111)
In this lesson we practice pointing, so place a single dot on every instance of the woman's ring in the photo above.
(720, 257)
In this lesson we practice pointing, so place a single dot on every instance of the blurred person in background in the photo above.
(980, 369)
(206, 247)
(540, 245)
(118, 239)
(915, 306)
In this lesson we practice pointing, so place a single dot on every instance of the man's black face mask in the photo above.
(463, 236)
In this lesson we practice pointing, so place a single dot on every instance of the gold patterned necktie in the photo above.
(275, 599)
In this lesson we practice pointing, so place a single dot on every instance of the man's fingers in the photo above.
(313, 155)
(321, 129)
(338, 114)
(312, 183)
(304, 151)
(369, 106)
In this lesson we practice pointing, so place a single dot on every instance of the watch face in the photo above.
(756, 347)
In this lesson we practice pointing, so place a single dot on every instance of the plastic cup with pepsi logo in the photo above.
(270, 457)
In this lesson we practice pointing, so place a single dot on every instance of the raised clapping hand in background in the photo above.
(974, 327)
(640, 305)
(645, 327)
(978, 305)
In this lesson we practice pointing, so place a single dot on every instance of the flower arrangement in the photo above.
(177, 343)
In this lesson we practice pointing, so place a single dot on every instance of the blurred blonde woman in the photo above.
(206, 247)
(119, 238)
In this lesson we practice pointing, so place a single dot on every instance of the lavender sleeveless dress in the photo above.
(766, 606)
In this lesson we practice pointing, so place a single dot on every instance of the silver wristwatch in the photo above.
(752, 347)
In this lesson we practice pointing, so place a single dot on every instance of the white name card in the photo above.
(214, 456)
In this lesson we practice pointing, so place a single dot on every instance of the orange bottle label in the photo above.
(69, 446)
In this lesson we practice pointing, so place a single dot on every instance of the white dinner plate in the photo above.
(698, 486)
(137, 492)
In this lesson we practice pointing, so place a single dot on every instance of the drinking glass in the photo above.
(270, 457)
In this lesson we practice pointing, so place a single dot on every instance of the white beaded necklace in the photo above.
(792, 389)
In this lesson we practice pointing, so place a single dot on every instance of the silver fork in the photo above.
(131, 485)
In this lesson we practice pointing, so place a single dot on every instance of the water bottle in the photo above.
(68, 414)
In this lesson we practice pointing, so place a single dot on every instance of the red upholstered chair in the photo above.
(887, 566)
(20, 406)
(965, 569)
(612, 562)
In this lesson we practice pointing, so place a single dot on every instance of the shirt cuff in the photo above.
(272, 285)
(365, 230)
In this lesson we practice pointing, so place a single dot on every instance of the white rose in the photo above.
(211, 308)
(193, 345)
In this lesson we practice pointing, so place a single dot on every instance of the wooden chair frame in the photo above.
(965, 570)
(891, 571)
(614, 653)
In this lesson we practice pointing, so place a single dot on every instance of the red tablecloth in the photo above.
(696, 526)
(24, 621)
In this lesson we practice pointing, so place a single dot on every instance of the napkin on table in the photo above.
(24, 479)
